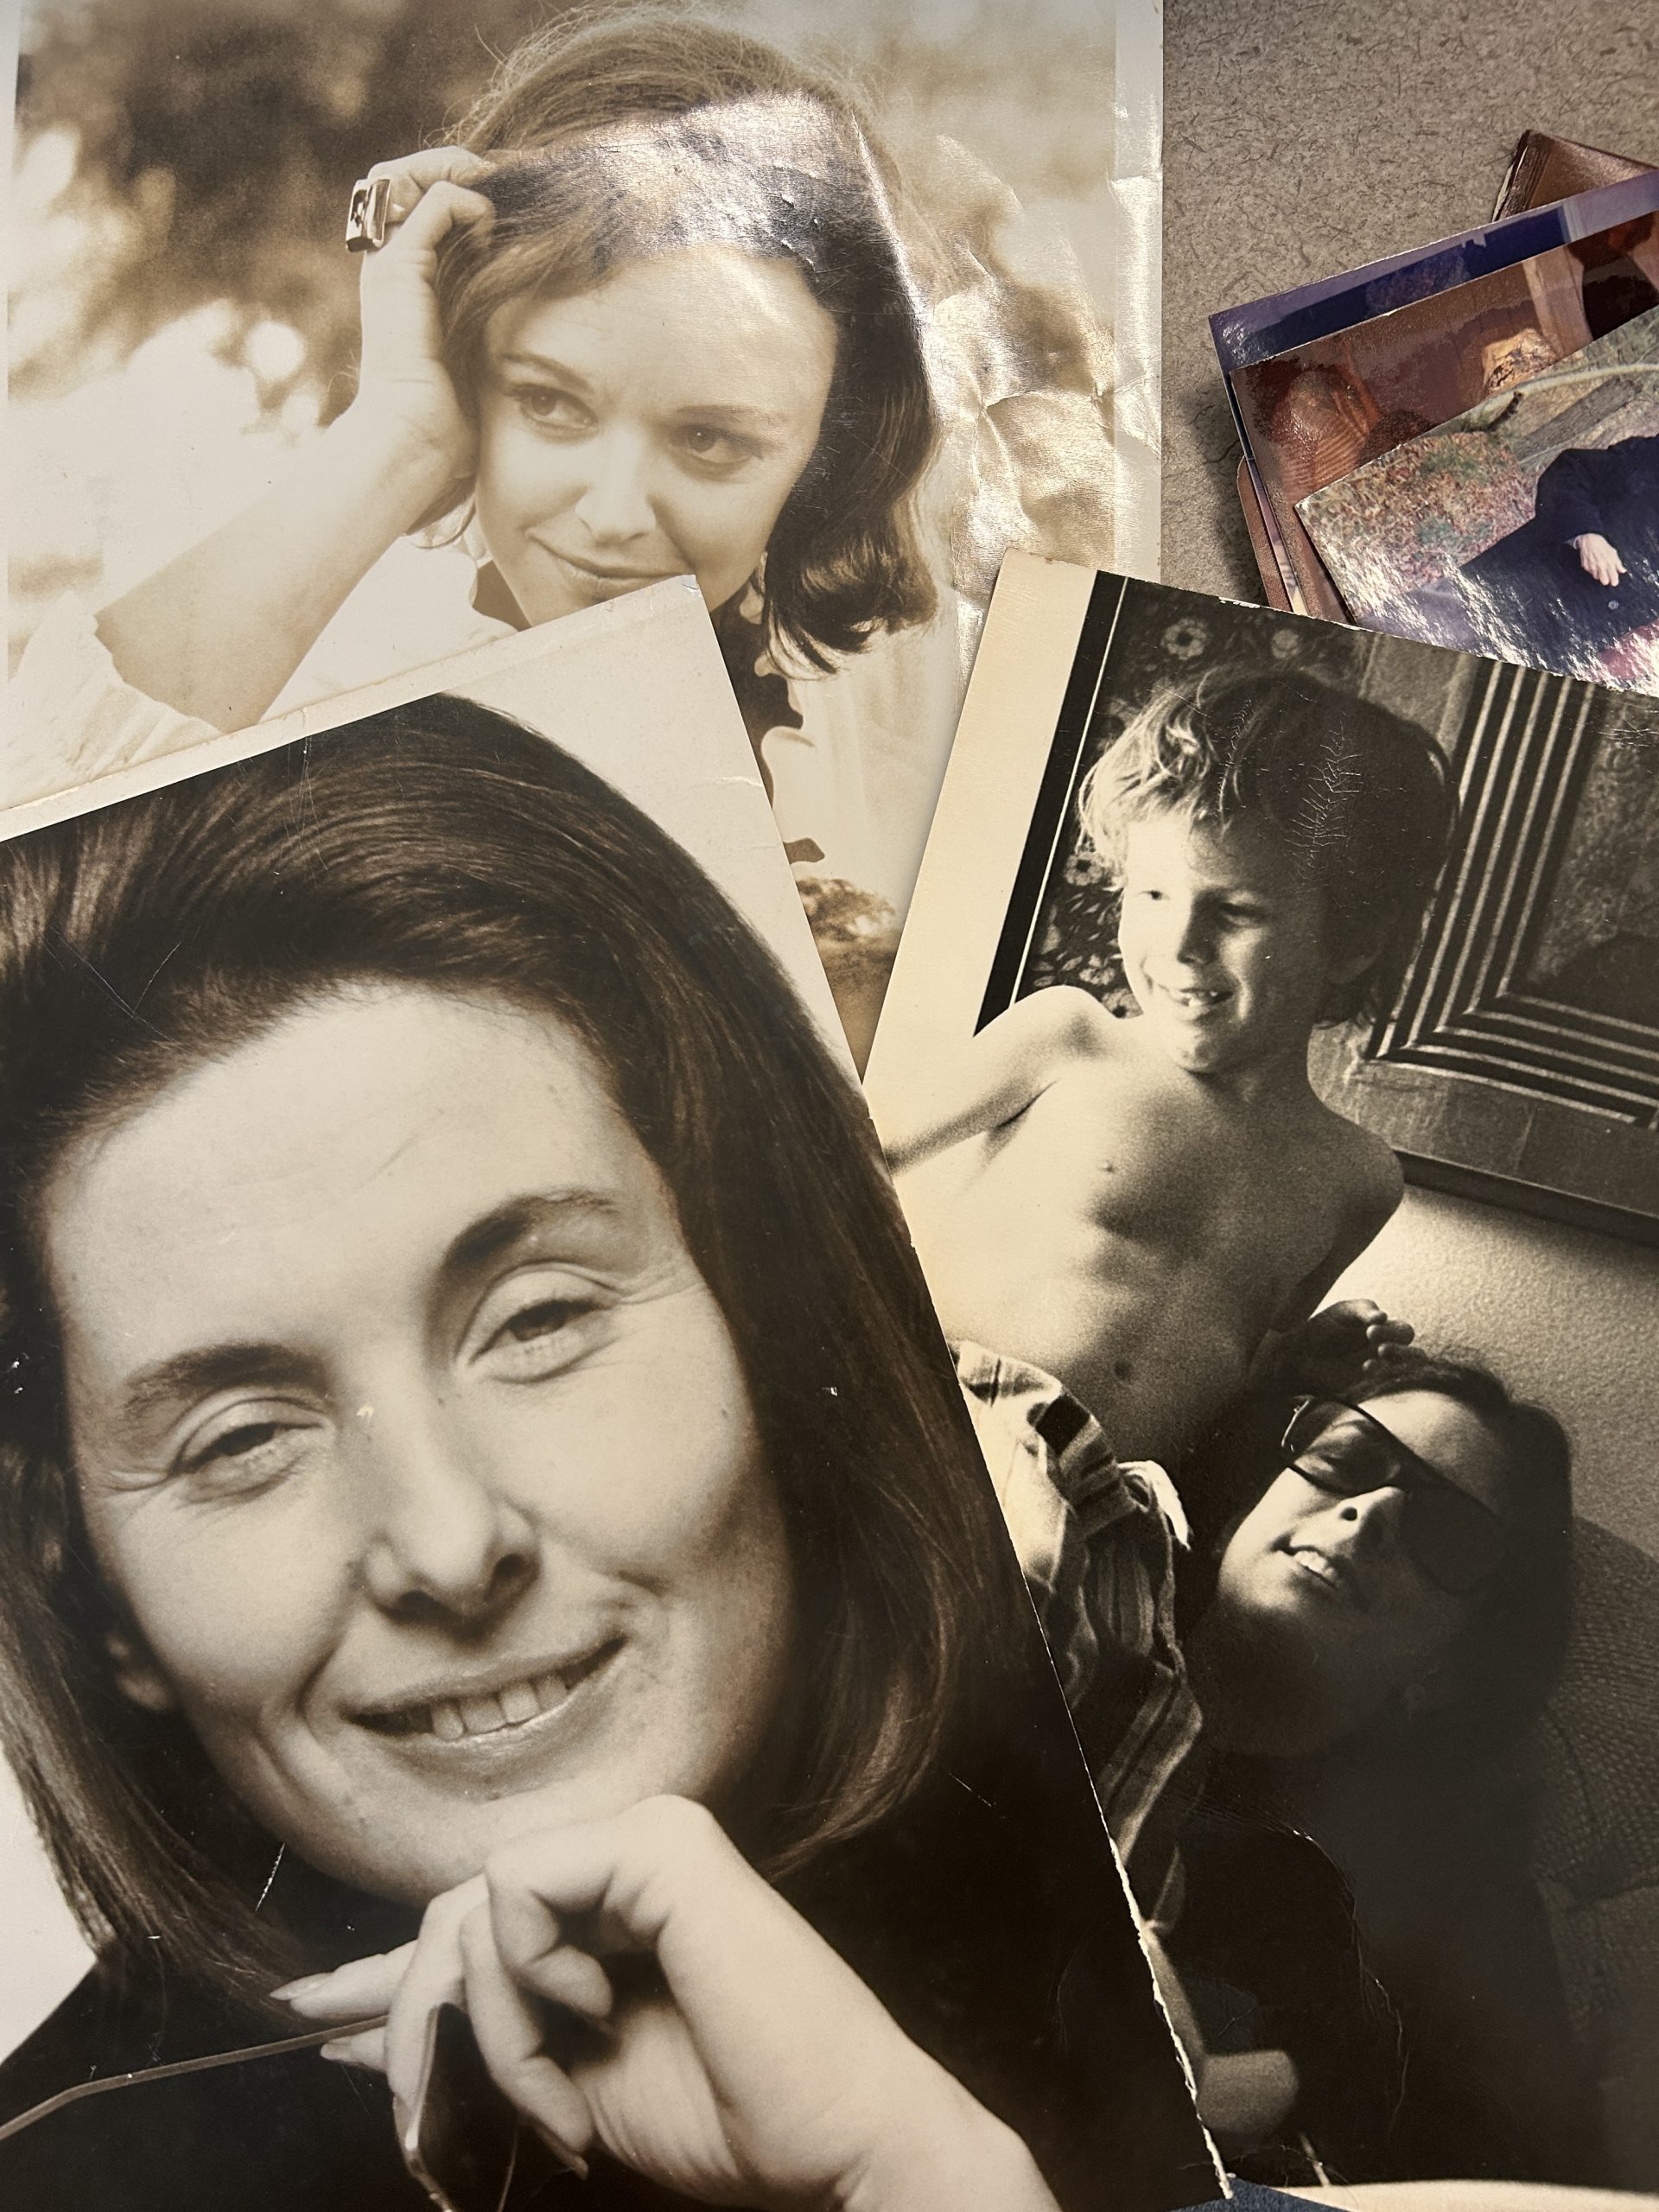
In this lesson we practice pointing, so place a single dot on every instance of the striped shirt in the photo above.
(1096, 1539)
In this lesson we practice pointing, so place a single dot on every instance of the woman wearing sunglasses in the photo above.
(1381, 1623)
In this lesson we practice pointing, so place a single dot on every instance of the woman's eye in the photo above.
(717, 449)
(1319, 1466)
(549, 405)
(539, 1334)
(244, 1454)
(544, 1319)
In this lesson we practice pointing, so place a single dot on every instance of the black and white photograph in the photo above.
(508, 1645)
(343, 337)
(1267, 1078)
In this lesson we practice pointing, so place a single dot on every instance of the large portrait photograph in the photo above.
(509, 1647)
(1270, 1066)
(344, 337)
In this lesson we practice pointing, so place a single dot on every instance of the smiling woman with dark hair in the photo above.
(1408, 1559)
(634, 140)
(664, 307)
(765, 394)
(486, 1519)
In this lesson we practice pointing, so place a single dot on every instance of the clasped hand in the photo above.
(1599, 558)
(754, 2068)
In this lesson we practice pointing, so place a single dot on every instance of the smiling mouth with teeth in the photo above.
(453, 1719)
(1332, 1573)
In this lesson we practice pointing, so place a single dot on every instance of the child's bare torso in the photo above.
(1137, 1233)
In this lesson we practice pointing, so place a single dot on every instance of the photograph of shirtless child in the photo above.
(1291, 1236)
(1146, 1204)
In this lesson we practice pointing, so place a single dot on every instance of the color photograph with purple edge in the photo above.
(1280, 319)
(1527, 527)
(1315, 414)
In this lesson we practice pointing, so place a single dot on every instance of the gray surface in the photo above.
(1304, 136)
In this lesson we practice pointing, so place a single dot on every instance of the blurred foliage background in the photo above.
(183, 312)
(209, 144)
(215, 144)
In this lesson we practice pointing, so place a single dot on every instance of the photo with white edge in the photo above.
(507, 1644)
(1270, 1078)
(342, 338)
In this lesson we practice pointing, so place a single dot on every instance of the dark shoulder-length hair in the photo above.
(620, 135)
(1507, 1658)
(443, 847)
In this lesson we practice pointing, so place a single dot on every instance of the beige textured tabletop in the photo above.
(1304, 136)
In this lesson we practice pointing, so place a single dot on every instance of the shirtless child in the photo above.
(1137, 1205)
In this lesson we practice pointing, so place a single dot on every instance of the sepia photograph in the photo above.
(342, 338)
(1268, 1076)
(510, 1651)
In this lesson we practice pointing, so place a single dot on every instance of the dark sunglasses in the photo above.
(1342, 1450)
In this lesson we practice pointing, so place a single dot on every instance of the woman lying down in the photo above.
(490, 1531)
(1329, 1808)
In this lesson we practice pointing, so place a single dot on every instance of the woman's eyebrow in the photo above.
(534, 1215)
(736, 414)
(544, 365)
(184, 1376)
(187, 1375)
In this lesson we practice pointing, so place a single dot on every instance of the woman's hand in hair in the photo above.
(633, 1983)
(219, 630)
(402, 384)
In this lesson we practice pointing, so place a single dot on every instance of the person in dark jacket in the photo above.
(1583, 574)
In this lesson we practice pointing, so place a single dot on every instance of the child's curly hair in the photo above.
(1361, 799)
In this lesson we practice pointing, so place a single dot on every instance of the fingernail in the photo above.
(306, 1986)
(572, 2161)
